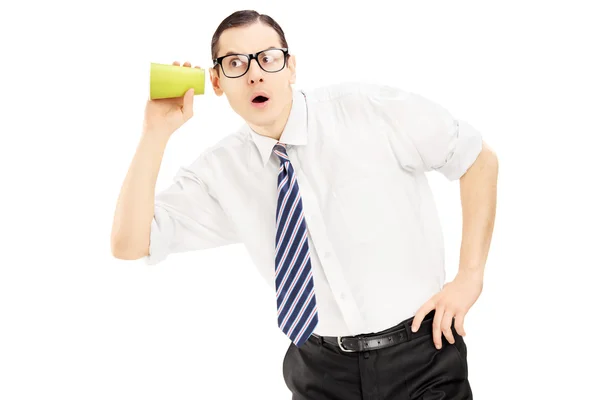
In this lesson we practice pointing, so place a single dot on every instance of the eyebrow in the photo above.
(234, 52)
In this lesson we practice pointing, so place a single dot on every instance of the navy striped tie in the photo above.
(296, 301)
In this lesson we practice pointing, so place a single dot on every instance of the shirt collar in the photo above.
(294, 133)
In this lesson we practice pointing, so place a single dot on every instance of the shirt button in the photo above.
(327, 254)
(342, 296)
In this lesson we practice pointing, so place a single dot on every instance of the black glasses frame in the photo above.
(219, 61)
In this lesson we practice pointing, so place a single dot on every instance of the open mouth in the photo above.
(260, 99)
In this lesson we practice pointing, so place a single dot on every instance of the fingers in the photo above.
(442, 321)
(420, 315)
(188, 104)
(437, 328)
(447, 326)
(188, 98)
(459, 321)
(185, 64)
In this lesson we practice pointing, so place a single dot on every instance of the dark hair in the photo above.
(244, 18)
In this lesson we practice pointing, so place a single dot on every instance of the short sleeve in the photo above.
(188, 216)
(424, 135)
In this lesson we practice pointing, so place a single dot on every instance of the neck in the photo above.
(275, 129)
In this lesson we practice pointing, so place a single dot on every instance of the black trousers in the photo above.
(411, 370)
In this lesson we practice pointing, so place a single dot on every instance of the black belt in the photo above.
(373, 341)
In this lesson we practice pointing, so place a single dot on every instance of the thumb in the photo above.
(188, 104)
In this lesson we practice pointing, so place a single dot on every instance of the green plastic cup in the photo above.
(169, 81)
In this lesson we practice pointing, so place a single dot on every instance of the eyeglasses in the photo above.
(236, 65)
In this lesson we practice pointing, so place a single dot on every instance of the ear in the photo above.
(292, 67)
(215, 81)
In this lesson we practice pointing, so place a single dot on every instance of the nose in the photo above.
(255, 73)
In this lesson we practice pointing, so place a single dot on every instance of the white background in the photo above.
(75, 323)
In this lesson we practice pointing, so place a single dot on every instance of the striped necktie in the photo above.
(296, 301)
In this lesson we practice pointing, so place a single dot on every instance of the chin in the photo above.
(261, 119)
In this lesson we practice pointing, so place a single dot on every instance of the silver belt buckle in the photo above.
(339, 340)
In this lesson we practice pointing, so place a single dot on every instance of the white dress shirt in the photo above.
(360, 153)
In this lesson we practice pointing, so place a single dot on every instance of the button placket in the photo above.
(332, 269)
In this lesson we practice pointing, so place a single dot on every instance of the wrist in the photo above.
(471, 273)
(154, 135)
(153, 141)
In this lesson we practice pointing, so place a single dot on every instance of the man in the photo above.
(327, 190)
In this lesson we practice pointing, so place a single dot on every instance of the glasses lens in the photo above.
(235, 65)
(270, 60)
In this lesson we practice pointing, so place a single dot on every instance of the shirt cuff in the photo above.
(467, 146)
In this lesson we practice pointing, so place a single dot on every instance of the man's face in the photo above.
(241, 91)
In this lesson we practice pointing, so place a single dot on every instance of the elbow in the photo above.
(125, 251)
(118, 249)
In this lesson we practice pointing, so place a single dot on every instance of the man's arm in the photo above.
(427, 137)
(478, 197)
(478, 188)
(135, 206)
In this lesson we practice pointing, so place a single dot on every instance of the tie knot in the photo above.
(280, 151)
